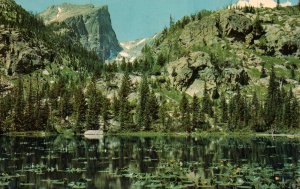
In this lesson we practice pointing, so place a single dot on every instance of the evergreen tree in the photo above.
(163, 115)
(153, 107)
(185, 113)
(255, 110)
(80, 107)
(195, 109)
(294, 114)
(115, 106)
(224, 109)
(29, 117)
(171, 21)
(206, 102)
(93, 107)
(65, 106)
(124, 114)
(161, 60)
(105, 113)
(272, 99)
(19, 106)
(143, 106)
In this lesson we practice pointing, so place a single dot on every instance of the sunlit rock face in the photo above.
(91, 24)
(260, 3)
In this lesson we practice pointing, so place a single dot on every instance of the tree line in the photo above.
(37, 105)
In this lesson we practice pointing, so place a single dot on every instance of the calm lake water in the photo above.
(158, 162)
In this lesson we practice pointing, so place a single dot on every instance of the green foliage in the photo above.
(206, 102)
(80, 107)
(124, 116)
(93, 107)
(144, 119)
(185, 113)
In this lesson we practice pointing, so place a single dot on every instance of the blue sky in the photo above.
(134, 19)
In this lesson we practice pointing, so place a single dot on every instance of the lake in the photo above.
(116, 162)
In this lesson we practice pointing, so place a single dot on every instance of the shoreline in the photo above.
(157, 134)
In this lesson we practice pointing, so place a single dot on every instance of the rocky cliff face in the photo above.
(91, 24)
(230, 47)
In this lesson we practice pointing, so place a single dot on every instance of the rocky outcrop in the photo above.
(91, 24)
(20, 53)
(242, 42)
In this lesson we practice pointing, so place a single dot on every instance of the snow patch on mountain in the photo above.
(132, 49)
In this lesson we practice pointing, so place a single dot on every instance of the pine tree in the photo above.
(161, 60)
(299, 4)
(185, 113)
(206, 102)
(224, 109)
(29, 117)
(143, 106)
(105, 113)
(271, 101)
(195, 109)
(124, 114)
(115, 106)
(93, 107)
(154, 107)
(65, 106)
(163, 115)
(171, 21)
(294, 114)
(80, 107)
(19, 106)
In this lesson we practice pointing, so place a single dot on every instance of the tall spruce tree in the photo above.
(93, 107)
(80, 108)
(105, 113)
(224, 109)
(185, 113)
(124, 114)
(206, 102)
(65, 106)
(29, 118)
(294, 114)
(153, 107)
(196, 111)
(163, 115)
(271, 106)
(143, 106)
(19, 106)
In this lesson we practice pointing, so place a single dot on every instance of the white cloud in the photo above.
(261, 3)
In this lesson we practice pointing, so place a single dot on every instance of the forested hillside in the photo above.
(228, 70)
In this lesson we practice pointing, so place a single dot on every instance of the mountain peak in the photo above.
(59, 13)
(92, 25)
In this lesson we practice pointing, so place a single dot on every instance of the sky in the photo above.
(135, 19)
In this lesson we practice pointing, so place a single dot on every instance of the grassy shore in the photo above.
(162, 134)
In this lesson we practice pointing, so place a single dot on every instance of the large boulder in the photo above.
(183, 72)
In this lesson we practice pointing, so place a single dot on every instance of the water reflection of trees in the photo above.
(102, 160)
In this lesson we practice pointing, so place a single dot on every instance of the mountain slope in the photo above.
(230, 47)
(27, 45)
(91, 24)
